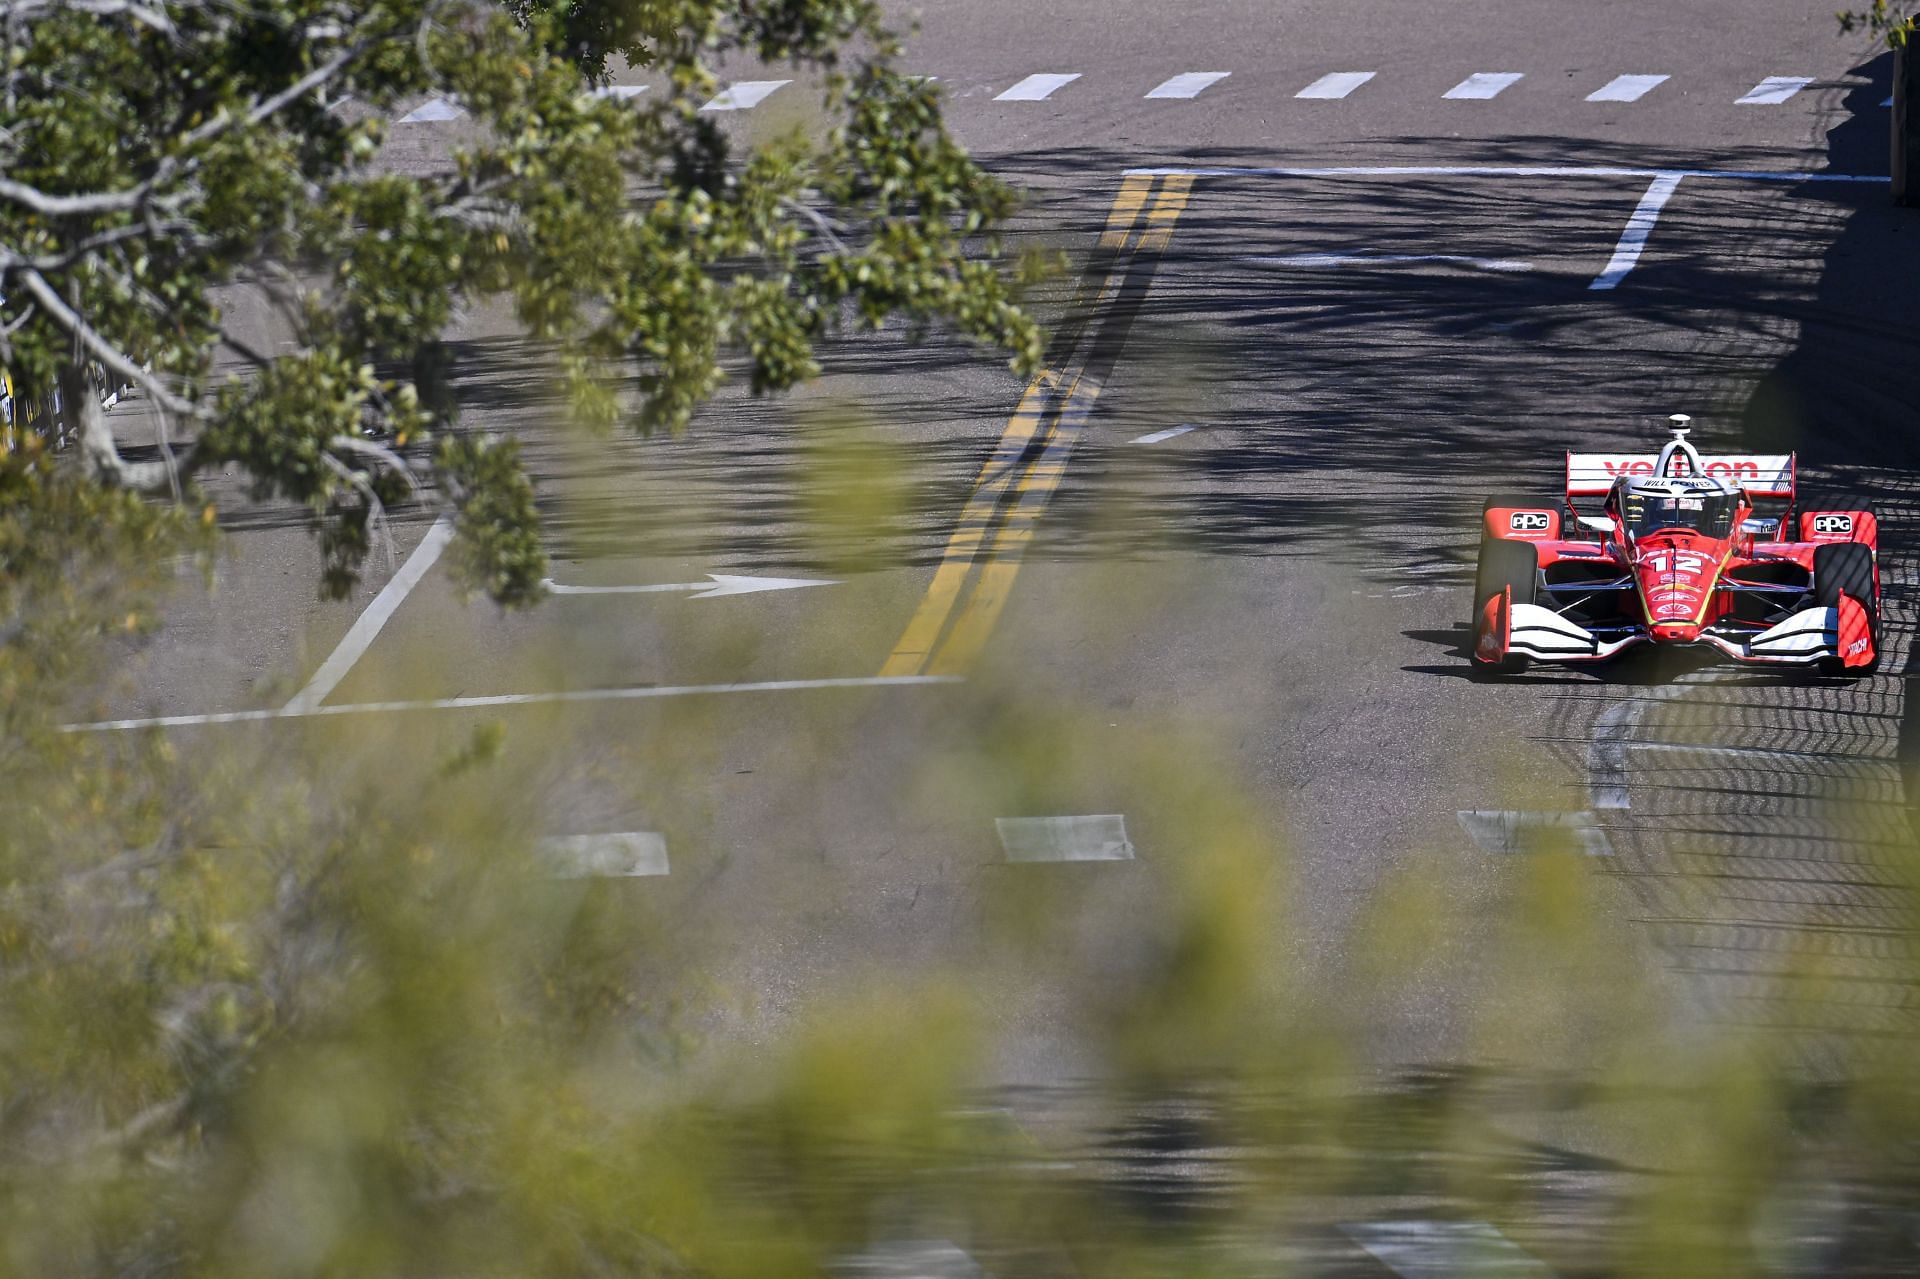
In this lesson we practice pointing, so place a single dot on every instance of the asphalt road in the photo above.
(1264, 611)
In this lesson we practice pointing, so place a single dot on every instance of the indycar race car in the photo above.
(1682, 550)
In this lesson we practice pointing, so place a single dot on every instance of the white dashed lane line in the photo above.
(630, 854)
(1037, 88)
(1188, 84)
(1441, 1249)
(1485, 84)
(1100, 837)
(432, 112)
(1627, 88)
(1337, 85)
(745, 95)
(1773, 90)
(1513, 833)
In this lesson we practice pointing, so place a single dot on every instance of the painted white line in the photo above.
(1337, 85)
(623, 855)
(1773, 90)
(1036, 88)
(367, 626)
(1188, 84)
(430, 112)
(620, 91)
(1511, 833)
(1608, 747)
(1626, 254)
(1095, 838)
(1168, 434)
(1484, 84)
(641, 693)
(1444, 1249)
(744, 95)
(1607, 755)
(1760, 753)
(911, 1259)
(1627, 88)
(1487, 171)
(1388, 259)
(716, 586)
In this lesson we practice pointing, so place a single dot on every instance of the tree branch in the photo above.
(80, 404)
(155, 18)
(376, 509)
(104, 351)
(180, 163)
(380, 453)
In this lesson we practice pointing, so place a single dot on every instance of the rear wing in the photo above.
(1760, 474)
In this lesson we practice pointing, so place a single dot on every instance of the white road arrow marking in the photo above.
(716, 585)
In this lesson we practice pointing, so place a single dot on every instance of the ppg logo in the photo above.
(1831, 524)
(1530, 521)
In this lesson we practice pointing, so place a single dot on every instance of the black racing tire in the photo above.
(1847, 567)
(1504, 565)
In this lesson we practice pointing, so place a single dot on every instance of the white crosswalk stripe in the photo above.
(1773, 90)
(744, 95)
(431, 112)
(1337, 85)
(1188, 84)
(1627, 88)
(1485, 84)
(1037, 88)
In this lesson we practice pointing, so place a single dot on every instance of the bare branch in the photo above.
(103, 350)
(161, 437)
(379, 453)
(831, 230)
(376, 510)
(80, 404)
(155, 18)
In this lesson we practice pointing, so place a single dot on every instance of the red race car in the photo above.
(1681, 550)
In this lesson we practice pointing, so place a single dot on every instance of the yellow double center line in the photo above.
(961, 606)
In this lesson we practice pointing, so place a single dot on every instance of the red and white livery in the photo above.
(1678, 548)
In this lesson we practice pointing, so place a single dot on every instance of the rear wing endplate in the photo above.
(1760, 474)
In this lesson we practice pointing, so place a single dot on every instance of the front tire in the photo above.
(1504, 566)
(1846, 568)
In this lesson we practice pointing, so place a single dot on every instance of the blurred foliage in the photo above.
(1893, 23)
(262, 1018)
(155, 154)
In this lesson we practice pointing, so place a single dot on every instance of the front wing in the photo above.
(1810, 636)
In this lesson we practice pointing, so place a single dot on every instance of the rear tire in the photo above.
(1504, 566)
(1847, 567)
